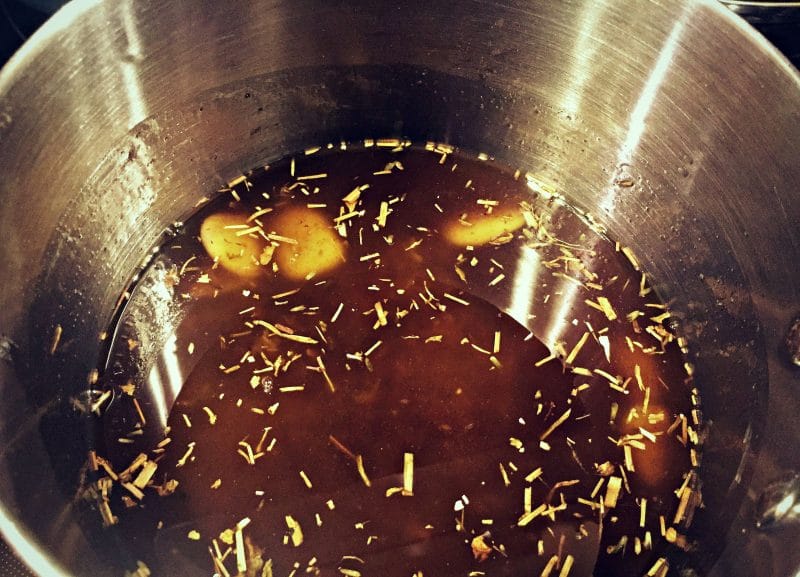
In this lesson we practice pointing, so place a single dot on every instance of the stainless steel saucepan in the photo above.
(118, 115)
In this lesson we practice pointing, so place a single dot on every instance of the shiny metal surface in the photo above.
(119, 115)
(779, 504)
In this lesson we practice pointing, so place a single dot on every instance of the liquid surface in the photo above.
(394, 361)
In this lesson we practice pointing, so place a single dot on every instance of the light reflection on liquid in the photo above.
(524, 285)
(152, 318)
(166, 379)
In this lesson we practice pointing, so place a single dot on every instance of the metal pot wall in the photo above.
(117, 116)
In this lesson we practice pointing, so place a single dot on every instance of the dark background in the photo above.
(20, 18)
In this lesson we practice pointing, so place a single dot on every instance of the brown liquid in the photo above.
(431, 379)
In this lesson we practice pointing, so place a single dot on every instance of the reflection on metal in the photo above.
(779, 504)
(644, 104)
(646, 99)
(585, 47)
(747, 439)
(566, 292)
(154, 316)
(136, 106)
(137, 109)
(170, 359)
(165, 379)
(128, 58)
(155, 390)
(131, 32)
(36, 560)
(552, 329)
(543, 189)
(636, 128)
(524, 287)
